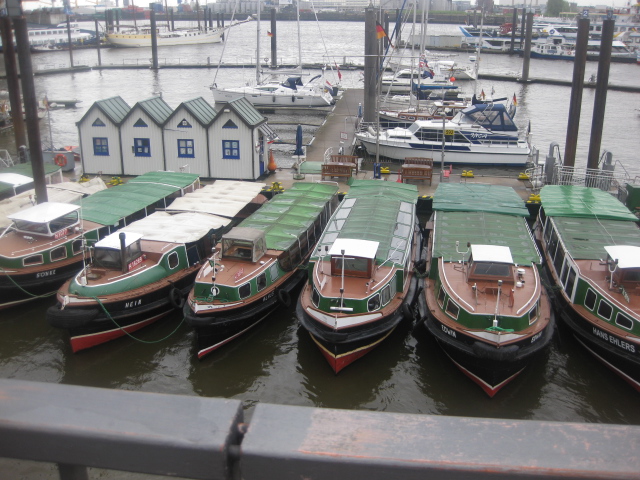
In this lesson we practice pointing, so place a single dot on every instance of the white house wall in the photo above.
(244, 168)
(138, 165)
(173, 132)
(92, 164)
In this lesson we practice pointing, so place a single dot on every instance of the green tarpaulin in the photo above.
(474, 197)
(481, 228)
(382, 212)
(287, 215)
(584, 202)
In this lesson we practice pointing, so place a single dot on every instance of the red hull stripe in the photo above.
(83, 342)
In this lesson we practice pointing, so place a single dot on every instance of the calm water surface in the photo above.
(277, 362)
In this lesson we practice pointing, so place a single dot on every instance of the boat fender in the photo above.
(273, 98)
(60, 160)
(407, 311)
(284, 298)
(293, 98)
(176, 299)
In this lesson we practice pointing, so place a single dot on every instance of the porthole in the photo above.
(374, 302)
(605, 310)
(173, 260)
(315, 298)
(261, 281)
(624, 321)
(590, 299)
(533, 314)
(441, 295)
(58, 253)
(453, 309)
(244, 291)
(33, 260)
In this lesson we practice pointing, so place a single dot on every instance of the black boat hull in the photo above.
(490, 367)
(214, 331)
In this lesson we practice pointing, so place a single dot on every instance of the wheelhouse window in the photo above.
(353, 266)
(185, 148)
(142, 147)
(490, 269)
(101, 146)
(231, 149)
(112, 258)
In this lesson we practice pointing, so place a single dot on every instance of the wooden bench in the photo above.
(333, 170)
(427, 162)
(351, 159)
(416, 173)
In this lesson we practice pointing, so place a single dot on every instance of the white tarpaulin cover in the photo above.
(177, 228)
(225, 198)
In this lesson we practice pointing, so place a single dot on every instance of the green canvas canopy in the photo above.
(482, 228)
(109, 206)
(474, 197)
(585, 238)
(382, 212)
(286, 216)
(584, 202)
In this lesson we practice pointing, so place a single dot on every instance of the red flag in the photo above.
(339, 74)
(515, 101)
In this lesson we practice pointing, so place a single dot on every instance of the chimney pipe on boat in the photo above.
(123, 249)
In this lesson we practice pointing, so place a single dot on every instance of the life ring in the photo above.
(60, 160)
(176, 299)
(284, 298)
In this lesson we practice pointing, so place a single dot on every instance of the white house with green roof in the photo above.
(239, 141)
(142, 136)
(99, 134)
(230, 143)
(185, 137)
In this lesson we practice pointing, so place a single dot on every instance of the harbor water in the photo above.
(277, 362)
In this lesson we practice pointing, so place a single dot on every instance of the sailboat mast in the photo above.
(299, 37)
(258, 47)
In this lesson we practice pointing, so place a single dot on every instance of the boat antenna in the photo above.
(224, 44)
(258, 46)
(615, 267)
(479, 48)
(299, 41)
(342, 284)
(495, 316)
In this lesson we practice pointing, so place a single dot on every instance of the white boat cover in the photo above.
(65, 192)
(44, 212)
(176, 228)
(224, 197)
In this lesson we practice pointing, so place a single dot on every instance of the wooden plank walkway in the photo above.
(341, 120)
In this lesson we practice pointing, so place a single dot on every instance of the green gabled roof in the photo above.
(173, 179)
(245, 109)
(377, 211)
(115, 108)
(482, 228)
(585, 238)
(107, 207)
(474, 197)
(201, 110)
(584, 202)
(286, 216)
(156, 108)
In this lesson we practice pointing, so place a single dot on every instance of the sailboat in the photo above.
(271, 92)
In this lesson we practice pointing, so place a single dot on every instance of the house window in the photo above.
(231, 149)
(140, 123)
(98, 123)
(141, 147)
(100, 146)
(229, 124)
(184, 124)
(185, 148)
